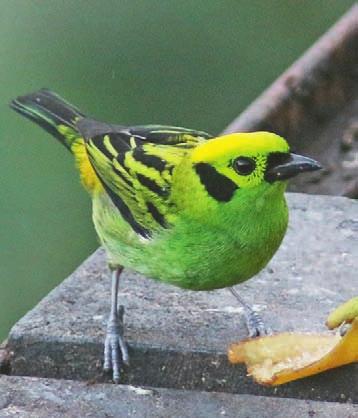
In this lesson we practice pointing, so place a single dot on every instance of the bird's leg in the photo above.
(115, 347)
(254, 322)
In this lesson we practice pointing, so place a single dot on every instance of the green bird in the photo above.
(174, 204)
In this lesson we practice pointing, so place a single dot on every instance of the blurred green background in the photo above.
(190, 63)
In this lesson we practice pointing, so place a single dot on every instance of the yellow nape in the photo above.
(236, 144)
(88, 176)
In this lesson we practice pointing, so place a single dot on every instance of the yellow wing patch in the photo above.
(77, 145)
(88, 176)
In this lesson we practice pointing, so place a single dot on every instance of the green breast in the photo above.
(227, 246)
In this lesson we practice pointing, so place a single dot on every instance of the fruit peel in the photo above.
(281, 358)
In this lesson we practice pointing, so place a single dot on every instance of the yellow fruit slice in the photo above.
(281, 358)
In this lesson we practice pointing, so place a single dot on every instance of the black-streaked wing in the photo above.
(135, 166)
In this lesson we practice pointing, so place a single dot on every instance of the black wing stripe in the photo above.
(122, 176)
(126, 213)
(152, 185)
(149, 160)
(120, 158)
(124, 210)
(157, 216)
(98, 142)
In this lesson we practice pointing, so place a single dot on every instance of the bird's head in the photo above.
(243, 161)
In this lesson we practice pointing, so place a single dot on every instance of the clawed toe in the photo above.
(115, 355)
(254, 323)
(256, 326)
(115, 347)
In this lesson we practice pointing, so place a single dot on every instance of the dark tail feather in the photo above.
(52, 113)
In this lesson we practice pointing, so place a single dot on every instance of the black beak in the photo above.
(294, 164)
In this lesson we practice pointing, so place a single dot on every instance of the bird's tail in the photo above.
(52, 113)
(60, 119)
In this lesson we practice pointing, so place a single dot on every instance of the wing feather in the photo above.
(135, 166)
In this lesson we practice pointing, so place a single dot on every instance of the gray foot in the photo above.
(255, 325)
(115, 347)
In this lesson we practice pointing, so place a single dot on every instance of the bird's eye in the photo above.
(244, 166)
